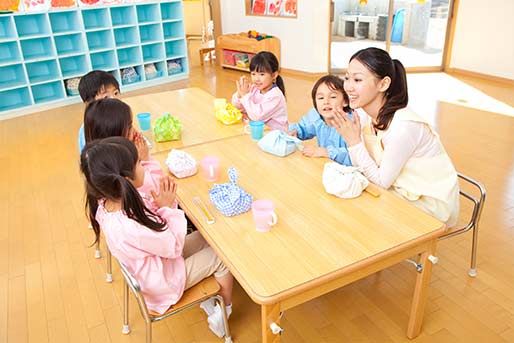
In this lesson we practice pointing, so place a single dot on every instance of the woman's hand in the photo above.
(349, 128)
(314, 151)
(243, 86)
(167, 192)
(141, 146)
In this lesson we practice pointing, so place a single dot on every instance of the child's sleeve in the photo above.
(170, 242)
(340, 155)
(81, 139)
(306, 127)
(236, 102)
(153, 175)
(264, 110)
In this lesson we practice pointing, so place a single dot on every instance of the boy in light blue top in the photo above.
(327, 95)
(95, 85)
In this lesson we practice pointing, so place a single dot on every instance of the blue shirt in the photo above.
(311, 125)
(81, 138)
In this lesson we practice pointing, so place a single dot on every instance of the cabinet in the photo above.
(228, 46)
(39, 51)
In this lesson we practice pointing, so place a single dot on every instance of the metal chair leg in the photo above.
(98, 253)
(148, 332)
(126, 327)
(473, 269)
(108, 277)
(221, 302)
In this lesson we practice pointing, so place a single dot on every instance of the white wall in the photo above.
(304, 40)
(484, 37)
(193, 19)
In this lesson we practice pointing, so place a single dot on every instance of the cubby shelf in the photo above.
(39, 51)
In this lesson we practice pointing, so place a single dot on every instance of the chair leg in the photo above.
(126, 327)
(228, 338)
(148, 332)
(98, 253)
(201, 57)
(108, 277)
(473, 269)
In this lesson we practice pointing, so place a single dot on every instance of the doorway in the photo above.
(413, 31)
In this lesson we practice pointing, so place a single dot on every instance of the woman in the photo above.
(394, 147)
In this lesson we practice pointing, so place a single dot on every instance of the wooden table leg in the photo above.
(420, 293)
(201, 57)
(270, 314)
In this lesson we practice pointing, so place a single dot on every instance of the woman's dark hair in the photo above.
(107, 165)
(107, 118)
(267, 62)
(91, 84)
(380, 63)
(334, 83)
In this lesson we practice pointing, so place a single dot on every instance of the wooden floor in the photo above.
(53, 290)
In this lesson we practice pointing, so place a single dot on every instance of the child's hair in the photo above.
(266, 62)
(107, 165)
(92, 83)
(334, 83)
(107, 118)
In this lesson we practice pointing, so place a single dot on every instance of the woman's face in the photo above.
(361, 85)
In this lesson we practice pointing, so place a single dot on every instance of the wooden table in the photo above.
(195, 109)
(320, 243)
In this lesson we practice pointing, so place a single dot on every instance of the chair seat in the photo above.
(204, 289)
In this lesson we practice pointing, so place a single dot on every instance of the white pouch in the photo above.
(343, 181)
(181, 164)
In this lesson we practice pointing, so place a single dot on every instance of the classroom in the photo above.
(297, 171)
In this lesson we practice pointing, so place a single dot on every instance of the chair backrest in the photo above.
(136, 289)
(478, 205)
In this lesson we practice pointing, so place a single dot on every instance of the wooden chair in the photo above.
(478, 201)
(207, 288)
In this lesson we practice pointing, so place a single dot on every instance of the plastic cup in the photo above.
(255, 129)
(264, 215)
(145, 121)
(210, 168)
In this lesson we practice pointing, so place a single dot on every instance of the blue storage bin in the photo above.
(175, 49)
(95, 18)
(128, 78)
(65, 21)
(129, 56)
(160, 68)
(42, 71)
(148, 13)
(100, 40)
(123, 15)
(153, 52)
(7, 30)
(9, 53)
(74, 66)
(126, 36)
(69, 44)
(14, 98)
(173, 29)
(32, 25)
(48, 92)
(37, 48)
(105, 60)
(150, 33)
(12, 76)
(176, 66)
(171, 10)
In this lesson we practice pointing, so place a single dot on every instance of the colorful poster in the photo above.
(274, 7)
(289, 8)
(259, 7)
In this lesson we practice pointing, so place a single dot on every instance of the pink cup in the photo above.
(264, 215)
(210, 168)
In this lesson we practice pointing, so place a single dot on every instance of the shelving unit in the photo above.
(40, 51)
(240, 43)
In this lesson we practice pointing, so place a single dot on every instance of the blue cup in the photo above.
(144, 121)
(256, 129)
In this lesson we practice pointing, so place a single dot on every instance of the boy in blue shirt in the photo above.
(95, 85)
(327, 95)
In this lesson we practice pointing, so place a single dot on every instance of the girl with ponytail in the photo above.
(264, 98)
(395, 147)
(152, 244)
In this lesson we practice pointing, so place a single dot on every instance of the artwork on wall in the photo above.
(274, 8)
